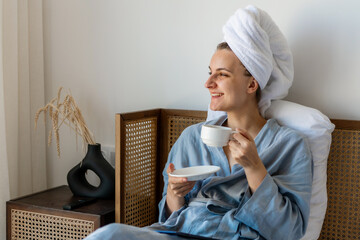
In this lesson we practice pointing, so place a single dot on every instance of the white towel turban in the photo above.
(257, 41)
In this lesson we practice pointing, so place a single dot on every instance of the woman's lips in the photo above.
(216, 94)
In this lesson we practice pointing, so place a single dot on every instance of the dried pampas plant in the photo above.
(66, 112)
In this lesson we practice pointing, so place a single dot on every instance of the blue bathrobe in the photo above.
(222, 206)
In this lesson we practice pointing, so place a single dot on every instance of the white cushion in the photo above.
(317, 128)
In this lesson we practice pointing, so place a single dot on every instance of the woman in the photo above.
(264, 186)
(263, 189)
(233, 90)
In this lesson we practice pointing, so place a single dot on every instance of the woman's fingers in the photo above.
(242, 136)
(182, 190)
(243, 149)
(170, 168)
(175, 185)
(180, 186)
(235, 147)
(242, 142)
(245, 134)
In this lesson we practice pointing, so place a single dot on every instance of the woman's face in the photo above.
(229, 87)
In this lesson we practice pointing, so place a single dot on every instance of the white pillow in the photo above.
(318, 128)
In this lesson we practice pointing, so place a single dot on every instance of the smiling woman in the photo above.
(263, 187)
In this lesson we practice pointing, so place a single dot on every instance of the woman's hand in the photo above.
(177, 189)
(243, 151)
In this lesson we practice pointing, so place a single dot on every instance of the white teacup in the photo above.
(216, 136)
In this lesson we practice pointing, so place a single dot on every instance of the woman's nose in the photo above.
(210, 83)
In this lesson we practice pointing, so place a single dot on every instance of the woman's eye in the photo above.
(209, 73)
(223, 74)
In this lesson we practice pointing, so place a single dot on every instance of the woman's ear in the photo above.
(253, 85)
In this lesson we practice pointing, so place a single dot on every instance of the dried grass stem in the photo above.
(66, 112)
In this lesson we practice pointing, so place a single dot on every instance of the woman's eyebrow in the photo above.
(219, 69)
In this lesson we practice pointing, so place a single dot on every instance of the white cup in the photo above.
(216, 136)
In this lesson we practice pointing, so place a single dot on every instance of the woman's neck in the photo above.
(250, 121)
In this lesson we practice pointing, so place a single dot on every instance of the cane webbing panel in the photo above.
(32, 225)
(177, 124)
(342, 220)
(140, 169)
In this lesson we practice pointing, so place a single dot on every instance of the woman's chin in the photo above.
(215, 108)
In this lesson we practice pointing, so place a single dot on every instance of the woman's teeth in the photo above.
(216, 94)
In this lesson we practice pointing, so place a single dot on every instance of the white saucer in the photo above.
(195, 173)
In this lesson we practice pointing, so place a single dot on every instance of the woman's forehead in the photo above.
(224, 59)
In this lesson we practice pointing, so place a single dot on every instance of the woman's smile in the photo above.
(216, 95)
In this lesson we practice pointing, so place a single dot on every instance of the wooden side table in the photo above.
(40, 216)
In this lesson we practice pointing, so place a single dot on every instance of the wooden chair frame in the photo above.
(144, 139)
(130, 199)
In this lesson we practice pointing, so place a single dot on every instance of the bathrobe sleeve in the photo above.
(187, 151)
(279, 208)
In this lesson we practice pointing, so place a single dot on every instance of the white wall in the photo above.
(126, 55)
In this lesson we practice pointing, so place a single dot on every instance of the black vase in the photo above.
(95, 161)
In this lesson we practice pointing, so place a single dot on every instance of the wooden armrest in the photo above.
(143, 141)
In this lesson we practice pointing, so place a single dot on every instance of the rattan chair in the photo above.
(144, 139)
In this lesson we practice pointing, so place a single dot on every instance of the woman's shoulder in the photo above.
(283, 140)
(283, 133)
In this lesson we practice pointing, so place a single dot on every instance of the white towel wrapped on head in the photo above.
(261, 47)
